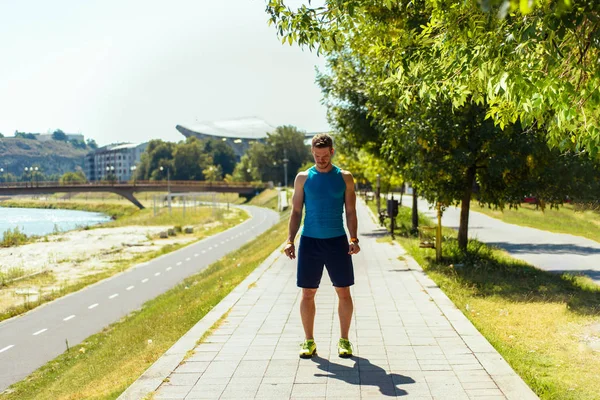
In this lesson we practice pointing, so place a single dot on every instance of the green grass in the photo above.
(545, 325)
(105, 364)
(566, 219)
(13, 237)
(268, 198)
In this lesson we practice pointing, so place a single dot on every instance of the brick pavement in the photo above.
(410, 341)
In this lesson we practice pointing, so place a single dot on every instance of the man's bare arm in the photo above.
(296, 214)
(297, 205)
(350, 204)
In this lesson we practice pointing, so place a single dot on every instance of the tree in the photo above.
(24, 135)
(221, 154)
(1, 135)
(448, 151)
(59, 135)
(213, 173)
(267, 158)
(158, 153)
(92, 144)
(73, 177)
(189, 159)
(244, 171)
(78, 144)
(534, 64)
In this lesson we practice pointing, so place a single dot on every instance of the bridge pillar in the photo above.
(128, 194)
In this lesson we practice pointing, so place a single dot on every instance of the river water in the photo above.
(34, 221)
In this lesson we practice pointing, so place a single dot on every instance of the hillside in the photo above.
(53, 157)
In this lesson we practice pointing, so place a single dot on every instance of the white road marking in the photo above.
(6, 348)
(179, 263)
(40, 331)
(210, 248)
(145, 280)
(157, 274)
(216, 245)
(196, 255)
(130, 287)
(69, 317)
(113, 296)
(169, 268)
(188, 259)
(93, 306)
(203, 251)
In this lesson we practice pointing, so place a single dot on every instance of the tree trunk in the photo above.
(463, 229)
(415, 212)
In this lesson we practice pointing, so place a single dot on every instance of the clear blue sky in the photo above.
(131, 70)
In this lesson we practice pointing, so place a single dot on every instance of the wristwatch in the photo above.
(354, 240)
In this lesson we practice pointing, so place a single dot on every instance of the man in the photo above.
(325, 190)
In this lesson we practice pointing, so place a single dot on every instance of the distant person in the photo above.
(324, 189)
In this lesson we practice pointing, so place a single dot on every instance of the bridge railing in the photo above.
(203, 184)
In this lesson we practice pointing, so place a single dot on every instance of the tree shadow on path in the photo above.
(364, 373)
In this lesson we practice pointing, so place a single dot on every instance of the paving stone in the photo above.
(182, 379)
(206, 392)
(172, 392)
(311, 390)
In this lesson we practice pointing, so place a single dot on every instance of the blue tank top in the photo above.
(324, 204)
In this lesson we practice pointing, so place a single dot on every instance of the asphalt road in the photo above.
(556, 252)
(31, 340)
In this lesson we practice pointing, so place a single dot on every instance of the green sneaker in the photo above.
(344, 348)
(308, 348)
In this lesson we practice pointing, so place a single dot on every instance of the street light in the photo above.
(26, 169)
(285, 163)
(36, 176)
(111, 169)
(133, 168)
(168, 187)
(1, 172)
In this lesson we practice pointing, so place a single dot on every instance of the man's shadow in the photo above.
(364, 373)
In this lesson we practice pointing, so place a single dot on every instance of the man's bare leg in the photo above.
(307, 311)
(345, 309)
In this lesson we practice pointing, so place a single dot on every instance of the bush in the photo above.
(13, 237)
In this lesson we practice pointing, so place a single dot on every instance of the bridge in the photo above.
(127, 189)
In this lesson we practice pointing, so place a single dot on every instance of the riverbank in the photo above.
(54, 265)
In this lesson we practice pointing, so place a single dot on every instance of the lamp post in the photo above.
(133, 168)
(110, 170)
(285, 163)
(36, 176)
(1, 172)
(168, 188)
(26, 170)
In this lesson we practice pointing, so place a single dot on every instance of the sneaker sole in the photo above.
(345, 355)
(314, 353)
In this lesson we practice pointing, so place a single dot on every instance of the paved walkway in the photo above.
(410, 341)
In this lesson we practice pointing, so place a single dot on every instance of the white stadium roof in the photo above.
(240, 128)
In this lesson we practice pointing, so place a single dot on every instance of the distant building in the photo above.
(117, 158)
(237, 133)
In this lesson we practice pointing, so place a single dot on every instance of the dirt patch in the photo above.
(75, 254)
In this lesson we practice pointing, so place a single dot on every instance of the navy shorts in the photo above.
(332, 253)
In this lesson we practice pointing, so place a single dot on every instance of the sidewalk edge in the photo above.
(155, 375)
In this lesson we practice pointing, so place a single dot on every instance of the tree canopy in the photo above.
(529, 61)
(459, 98)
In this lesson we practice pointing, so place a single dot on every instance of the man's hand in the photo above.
(354, 248)
(290, 251)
